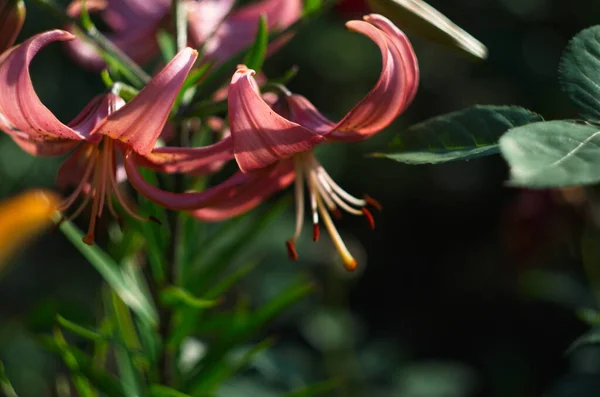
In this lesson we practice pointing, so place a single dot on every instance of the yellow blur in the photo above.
(22, 218)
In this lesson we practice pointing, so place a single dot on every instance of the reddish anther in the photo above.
(374, 203)
(291, 247)
(315, 232)
(369, 217)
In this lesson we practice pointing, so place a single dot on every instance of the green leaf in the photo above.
(80, 330)
(592, 337)
(81, 383)
(311, 6)
(552, 154)
(462, 135)
(130, 289)
(256, 54)
(167, 45)
(174, 296)
(164, 391)
(5, 385)
(314, 389)
(579, 72)
(419, 17)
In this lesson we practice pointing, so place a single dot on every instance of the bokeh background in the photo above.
(466, 287)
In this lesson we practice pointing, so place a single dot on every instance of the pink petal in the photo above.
(204, 17)
(22, 114)
(238, 30)
(183, 201)
(260, 135)
(264, 183)
(139, 123)
(72, 170)
(395, 89)
(133, 25)
(194, 160)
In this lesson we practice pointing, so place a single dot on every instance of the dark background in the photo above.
(466, 287)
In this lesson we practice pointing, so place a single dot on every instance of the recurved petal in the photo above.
(395, 89)
(190, 160)
(182, 201)
(139, 123)
(260, 135)
(21, 110)
(262, 185)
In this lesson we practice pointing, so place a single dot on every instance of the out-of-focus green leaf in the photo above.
(311, 6)
(190, 318)
(81, 383)
(579, 72)
(164, 391)
(314, 389)
(244, 326)
(552, 154)
(129, 368)
(421, 18)
(175, 296)
(104, 381)
(592, 337)
(219, 373)
(167, 45)
(255, 57)
(80, 330)
(5, 385)
(590, 256)
(126, 287)
(101, 346)
(462, 135)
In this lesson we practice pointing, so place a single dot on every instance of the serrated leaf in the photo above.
(579, 72)
(552, 154)
(466, 134)
(128, 288)
(256, 54)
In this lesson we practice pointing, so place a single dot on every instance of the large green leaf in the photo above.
(462, 135)
(552, 154)
(579, 72)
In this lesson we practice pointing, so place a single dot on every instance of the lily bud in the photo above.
(12, 16)
(424, 20)
(22, 218)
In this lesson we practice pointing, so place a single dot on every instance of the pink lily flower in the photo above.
(105, 130)
(273, 142)
(212, 25)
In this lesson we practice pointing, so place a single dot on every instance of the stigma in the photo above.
(326, 198)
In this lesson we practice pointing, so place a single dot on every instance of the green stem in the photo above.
(180, 15)
(133, 71)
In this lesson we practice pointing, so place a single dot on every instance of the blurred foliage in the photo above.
(466, 288)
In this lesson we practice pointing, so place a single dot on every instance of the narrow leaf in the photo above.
(167, 45)
(552, 154)
(421, 18)
(579, 72)
(256, 54)
(5, 385)
(80, 330)
(164, 391)
(314, 389)
(173, 296)
(466, 134)
(81, 383)
(126, 287)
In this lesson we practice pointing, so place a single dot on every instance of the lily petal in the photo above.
(262, 185)
(133, 24)
(140, 122)
(22, 114)
(395, 89)
(239, 29)
(205, 16)
(260, 135)
(190, 160)
(183, 201)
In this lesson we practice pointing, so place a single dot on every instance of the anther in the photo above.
(350, 265)
(373, 202)
(369, 217)
(315, 232)
(291, 247)
(336, 214)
